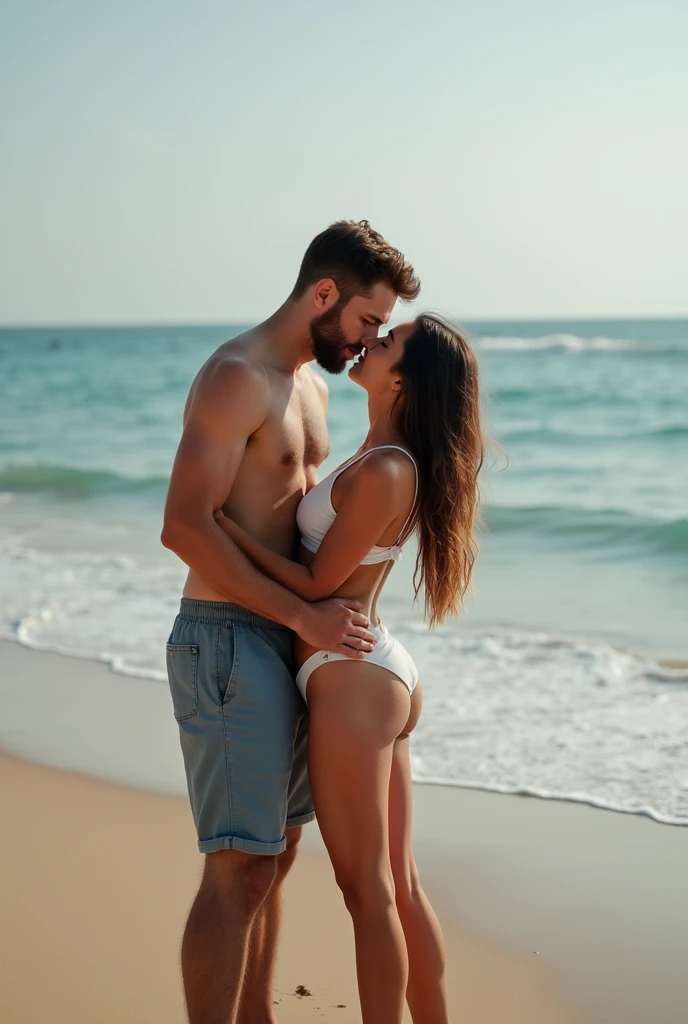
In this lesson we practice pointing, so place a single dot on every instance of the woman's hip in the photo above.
(389, 656)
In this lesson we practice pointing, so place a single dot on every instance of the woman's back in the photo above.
(316, 512)
(320, 507)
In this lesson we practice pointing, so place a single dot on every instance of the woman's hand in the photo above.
(225, 523)
(232, 529)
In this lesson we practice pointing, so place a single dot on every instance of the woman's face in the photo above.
(374, 368)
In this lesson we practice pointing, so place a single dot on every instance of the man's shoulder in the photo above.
(232, 367)
(229, 382)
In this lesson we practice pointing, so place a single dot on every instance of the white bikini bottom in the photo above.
(388, 654)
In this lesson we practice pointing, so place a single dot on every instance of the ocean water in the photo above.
(563, 677)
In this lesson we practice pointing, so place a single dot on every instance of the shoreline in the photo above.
(110, 661)
(102, 912)
(576, 917)
(90, 685)
(579, 915)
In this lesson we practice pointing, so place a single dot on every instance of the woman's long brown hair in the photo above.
(440, 419)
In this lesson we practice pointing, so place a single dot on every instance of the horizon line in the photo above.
(244, 322)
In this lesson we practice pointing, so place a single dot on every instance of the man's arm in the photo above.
(229, 403)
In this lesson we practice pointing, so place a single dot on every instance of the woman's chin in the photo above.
(354, 373)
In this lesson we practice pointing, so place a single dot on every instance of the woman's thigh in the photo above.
(401, 800)
(400, 819)
(356, 712)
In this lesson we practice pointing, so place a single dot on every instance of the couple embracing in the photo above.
(292, 698)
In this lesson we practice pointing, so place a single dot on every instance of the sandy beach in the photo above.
(431, 251)
(555, 913)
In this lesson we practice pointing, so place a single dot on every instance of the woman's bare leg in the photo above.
(356, 711)
(426, 993)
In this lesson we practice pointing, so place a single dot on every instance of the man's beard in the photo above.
(328, 340)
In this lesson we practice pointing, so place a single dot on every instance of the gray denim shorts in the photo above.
(243, 726)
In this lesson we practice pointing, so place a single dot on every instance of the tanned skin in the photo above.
(361, 717)
(254, 434)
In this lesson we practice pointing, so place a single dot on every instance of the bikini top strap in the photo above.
(415, 493)
(361, 455)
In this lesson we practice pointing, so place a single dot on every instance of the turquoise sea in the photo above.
(562, 679)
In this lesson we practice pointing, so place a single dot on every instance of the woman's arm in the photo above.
(294, 577)
(376, 496)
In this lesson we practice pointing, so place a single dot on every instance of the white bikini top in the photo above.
(315, 514)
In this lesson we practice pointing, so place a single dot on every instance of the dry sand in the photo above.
(97, 882)
(554, 913)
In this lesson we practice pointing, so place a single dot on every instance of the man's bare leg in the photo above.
(256, 1005)
(216, 938)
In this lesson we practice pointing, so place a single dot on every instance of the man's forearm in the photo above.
(215, 557)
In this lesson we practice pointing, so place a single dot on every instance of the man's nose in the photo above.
(370, 334)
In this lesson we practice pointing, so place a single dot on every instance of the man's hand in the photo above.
(337, 625)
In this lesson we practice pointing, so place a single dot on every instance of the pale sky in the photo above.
(166, 162)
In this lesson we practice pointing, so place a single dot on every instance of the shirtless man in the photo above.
(254, 435)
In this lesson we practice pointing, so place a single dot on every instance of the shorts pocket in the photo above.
(227, 662)
(182, 667)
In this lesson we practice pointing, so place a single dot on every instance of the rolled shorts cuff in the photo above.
(243, 845)
(300, 819)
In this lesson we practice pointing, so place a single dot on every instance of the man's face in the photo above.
(341, 332)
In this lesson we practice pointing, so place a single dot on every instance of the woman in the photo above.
(415, 473)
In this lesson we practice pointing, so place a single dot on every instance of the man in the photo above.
(254, 435)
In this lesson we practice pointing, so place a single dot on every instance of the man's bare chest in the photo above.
(293, 437)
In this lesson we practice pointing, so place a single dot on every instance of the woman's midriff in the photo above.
(364, 585)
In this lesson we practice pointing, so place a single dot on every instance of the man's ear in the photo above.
(325, 294)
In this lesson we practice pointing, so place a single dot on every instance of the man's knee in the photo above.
(286, 859)
(237, 877)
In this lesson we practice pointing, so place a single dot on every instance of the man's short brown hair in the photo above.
(356, 258)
